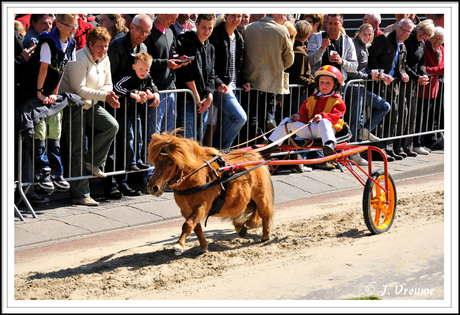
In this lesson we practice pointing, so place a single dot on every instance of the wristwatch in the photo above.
(40, 90)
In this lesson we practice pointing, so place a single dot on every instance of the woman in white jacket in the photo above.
(90, 78)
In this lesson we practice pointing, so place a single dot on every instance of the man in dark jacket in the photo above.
(198, 76)
(122, 50)
(388, 52)
(121, 54)
(161, 45)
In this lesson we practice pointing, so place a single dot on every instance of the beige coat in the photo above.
(268, 53)
(87, 79)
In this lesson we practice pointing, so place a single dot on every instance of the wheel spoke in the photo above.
(378, 214)
(379, 204)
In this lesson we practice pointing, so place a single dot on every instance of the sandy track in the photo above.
(320, 249)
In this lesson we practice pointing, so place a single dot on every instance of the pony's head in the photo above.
(173, 157)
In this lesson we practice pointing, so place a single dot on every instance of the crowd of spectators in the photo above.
(110, 63)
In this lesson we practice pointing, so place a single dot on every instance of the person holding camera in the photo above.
(332, 48)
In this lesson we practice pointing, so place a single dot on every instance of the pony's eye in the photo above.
(171, 163)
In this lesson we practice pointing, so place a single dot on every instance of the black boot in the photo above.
(328, 148)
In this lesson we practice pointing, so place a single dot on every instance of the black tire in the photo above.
(374, 203)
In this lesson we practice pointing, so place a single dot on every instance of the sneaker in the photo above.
(95, 170)
(307, 168)
(44, 179)
(299, 168)
(37, 199)
(132, 167)
(87, 201)
(60, 182)
(427, 149)
(421, 151)
(364, 134)
(358, 159)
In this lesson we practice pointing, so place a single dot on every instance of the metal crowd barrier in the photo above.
(286, 105)
(415, 115)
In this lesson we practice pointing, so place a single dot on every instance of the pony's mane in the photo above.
(184, 152)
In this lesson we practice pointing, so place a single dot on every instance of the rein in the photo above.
(306, 144)
(217, 157)
(280, 141)
(240, 144)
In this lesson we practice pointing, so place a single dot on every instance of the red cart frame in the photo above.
(379, 196)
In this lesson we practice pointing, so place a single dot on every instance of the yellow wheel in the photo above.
(378, 213)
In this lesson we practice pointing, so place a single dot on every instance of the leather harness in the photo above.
(218, 203)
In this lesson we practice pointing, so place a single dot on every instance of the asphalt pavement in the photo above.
(61, 220)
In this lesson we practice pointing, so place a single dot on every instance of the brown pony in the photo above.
(247, 197)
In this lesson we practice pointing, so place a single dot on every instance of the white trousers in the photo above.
(323, 129)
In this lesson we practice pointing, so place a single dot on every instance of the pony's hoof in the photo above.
(243, 231)
(265, 238)
(178, 250)
(203, 250)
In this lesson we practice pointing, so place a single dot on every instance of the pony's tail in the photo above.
(249, 217)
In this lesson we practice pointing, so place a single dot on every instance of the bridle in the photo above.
(177, 179)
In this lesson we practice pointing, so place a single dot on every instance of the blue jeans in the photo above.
(163, 117)
(259, 107)
(186, 119)
(233, 116)
(379, 108)
(160, 119)
(134, 141)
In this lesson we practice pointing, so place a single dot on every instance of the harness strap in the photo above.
(218, 181)
(279, 141)
(217, 204)
(179, 181)
(214, 171)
